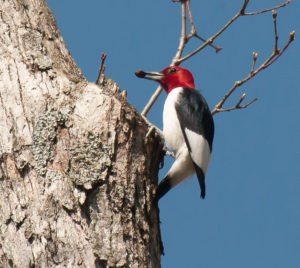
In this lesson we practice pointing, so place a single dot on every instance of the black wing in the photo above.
(197, 124)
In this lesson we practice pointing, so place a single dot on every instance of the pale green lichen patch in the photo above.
(90, 161)
(44, 138)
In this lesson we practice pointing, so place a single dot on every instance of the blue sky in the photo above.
(251, 215)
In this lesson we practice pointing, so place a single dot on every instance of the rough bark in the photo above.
(77, 173)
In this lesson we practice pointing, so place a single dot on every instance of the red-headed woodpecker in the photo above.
(188, 127)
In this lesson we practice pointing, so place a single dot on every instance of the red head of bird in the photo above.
(170, 77)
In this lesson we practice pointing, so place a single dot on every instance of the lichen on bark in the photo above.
(90, 161)
(44, 138)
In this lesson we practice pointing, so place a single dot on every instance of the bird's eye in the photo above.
(172, 70)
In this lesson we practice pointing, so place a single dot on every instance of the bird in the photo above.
(188, 127)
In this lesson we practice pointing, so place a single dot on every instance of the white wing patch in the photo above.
(200, 151)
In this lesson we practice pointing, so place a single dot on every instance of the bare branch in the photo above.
(208, 42)
(193, 28)
(101, 69)
(276, 53)
(240, 13)
(267, 9)
(235, 107)
(270, 60)
(151, 101)
(211, 39)
(178, 59)
(241, 100)
(242, 10)
(193, 32)
(182, 42)
(274, 14)
(211, 45)
(254, 57)
(182, 39)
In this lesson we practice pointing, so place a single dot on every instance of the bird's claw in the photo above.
(169, 153)
(153, 128)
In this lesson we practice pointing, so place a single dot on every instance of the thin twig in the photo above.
(270, 60)
(193, 28)
(238, 105)
(152, 100)
(217, 49)
(245, 4)
(193, 32)
(178, 54)
(240, 13)
(276, 53)
(254, 57)
(274, 14)
(178, 59)
(241, 100)
(267, 9)
(291, 39)
(208, 41)
(211, 39)
(102, 68)
(182, 39)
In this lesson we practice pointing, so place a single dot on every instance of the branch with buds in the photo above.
(276, 53)
(184, 39)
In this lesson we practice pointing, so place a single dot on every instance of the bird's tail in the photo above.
(201, 180)
(164, 186)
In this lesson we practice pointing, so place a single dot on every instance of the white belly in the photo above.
(200, 153)
(171, 128)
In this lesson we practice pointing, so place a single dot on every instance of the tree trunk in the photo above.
(77, 173)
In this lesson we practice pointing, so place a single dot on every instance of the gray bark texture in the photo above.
(77, 172)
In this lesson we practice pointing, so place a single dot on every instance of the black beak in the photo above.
(149, 75)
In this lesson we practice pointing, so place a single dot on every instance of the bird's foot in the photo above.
(169, 153)
(153, 129)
